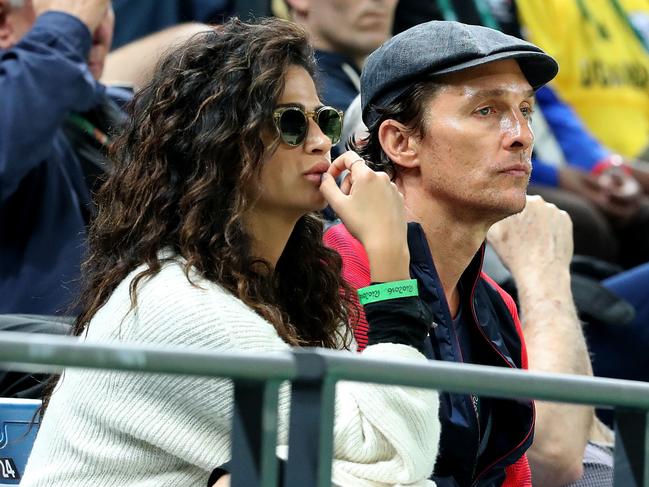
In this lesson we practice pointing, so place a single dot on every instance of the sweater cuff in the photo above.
(401, 320)
(63, 31)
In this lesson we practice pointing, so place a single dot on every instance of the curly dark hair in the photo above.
(409, 109)
(179, 172)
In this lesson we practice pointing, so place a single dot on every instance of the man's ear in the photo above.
(399, 143)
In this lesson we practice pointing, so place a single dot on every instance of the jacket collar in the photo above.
(421, 260)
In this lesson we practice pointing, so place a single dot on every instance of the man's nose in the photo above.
(517, 132)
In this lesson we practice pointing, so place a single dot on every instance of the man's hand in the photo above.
(640, 171)
(616, 193)
(537, 240)
(90, 12)
(537, 246)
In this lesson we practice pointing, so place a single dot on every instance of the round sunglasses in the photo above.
(292, 123)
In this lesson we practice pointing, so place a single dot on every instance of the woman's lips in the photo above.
(315, 172)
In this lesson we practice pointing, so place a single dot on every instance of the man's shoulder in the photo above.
(356, 264)
(338, 238)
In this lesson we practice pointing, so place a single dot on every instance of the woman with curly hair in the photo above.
(207, 238)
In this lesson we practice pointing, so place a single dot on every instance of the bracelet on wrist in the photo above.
(388, 290)
(612, 160)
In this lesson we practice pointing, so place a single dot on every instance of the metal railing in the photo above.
(313, 374)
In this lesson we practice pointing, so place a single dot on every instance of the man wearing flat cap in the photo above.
(448, 110)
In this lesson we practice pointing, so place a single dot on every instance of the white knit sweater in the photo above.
(117, 429)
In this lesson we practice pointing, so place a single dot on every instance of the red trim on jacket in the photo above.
(511, 306)
(519, 473)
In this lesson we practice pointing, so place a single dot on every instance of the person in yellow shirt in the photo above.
(604, 63)
(638, 13)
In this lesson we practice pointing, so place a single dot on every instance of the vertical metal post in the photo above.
(631, 449)
(254, 434)
(310, 445)
(251, 9)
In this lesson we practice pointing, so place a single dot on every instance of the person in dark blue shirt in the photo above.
(51, 55)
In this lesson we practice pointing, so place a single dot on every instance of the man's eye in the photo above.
(527, 112)
(485, 111)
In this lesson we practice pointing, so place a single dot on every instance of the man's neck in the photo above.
(452, 240)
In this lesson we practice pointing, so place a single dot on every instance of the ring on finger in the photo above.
(357, 160)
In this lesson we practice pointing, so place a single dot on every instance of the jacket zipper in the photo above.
(473, 397)
(475, 320)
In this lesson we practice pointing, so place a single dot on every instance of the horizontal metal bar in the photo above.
(489, 380)
(452, 377)
(40, 349)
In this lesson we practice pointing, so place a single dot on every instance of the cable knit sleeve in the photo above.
(107, 428)
(386, 434)
(383, 435)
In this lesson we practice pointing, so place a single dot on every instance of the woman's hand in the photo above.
(372, 209)
(616, 194)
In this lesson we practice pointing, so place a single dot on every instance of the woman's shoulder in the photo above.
(175, 305)
(175, 287)
(174, 277)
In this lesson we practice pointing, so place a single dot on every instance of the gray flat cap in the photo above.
(442, 47)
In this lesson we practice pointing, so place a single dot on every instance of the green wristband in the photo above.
(388, 290)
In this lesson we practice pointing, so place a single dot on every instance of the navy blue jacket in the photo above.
(44, 200)
(496, 341)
